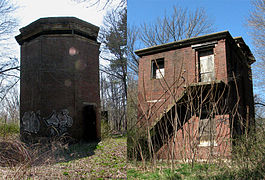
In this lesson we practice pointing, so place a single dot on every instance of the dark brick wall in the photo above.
(54, 79)
(240, 81)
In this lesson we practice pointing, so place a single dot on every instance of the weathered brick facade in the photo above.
(59, 84)
(205, 79)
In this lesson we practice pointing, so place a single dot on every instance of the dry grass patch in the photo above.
(104, 159)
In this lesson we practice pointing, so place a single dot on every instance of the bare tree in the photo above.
(103, 3)
(186, 127)
(11, 106)
(9, 64)
(7, 22)
(113, 38)
(256, 22)
(181, 24)
(132, 59)
(259, 110)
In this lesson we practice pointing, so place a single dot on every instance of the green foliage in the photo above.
(249, 156)
(99, 147)
(65, 173)
(182, 171)
(198, 171)
(9, 129)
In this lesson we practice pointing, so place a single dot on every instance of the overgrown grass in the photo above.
(186, 171)
(162, 171)
(248, 162)
(93, 160)
(7, 129)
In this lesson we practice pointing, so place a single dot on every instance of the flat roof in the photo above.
(57, 25)
(196, 40)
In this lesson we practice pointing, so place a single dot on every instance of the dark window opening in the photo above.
(89, 122)
(206, 65)
(158, 68)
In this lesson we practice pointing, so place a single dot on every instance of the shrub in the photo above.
(249, 156)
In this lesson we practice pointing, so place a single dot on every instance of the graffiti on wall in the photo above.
(30, 122)
(59, 121)
(56, 124)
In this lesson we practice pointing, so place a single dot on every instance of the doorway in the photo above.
(89, 122)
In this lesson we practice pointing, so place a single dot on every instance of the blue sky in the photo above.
(226, 14)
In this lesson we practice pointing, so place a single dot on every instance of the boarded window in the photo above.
(158, 68)
(206, 62)
(207, 131)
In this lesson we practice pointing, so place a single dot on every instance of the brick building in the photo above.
(59, 86)
(195, 94)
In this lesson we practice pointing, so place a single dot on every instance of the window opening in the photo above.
(207, 131)
(158, 68)
(206, 63)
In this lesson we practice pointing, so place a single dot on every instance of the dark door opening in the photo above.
(89, 121)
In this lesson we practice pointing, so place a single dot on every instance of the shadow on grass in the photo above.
(76, 151)
(81, 149)
(43, 150)
(14, 152)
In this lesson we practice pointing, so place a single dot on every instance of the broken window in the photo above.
(206, 63)
(207, 131)
(158, 68)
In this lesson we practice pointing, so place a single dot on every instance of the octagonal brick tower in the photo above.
(59, 87)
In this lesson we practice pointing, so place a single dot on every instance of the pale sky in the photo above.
(31, 10)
